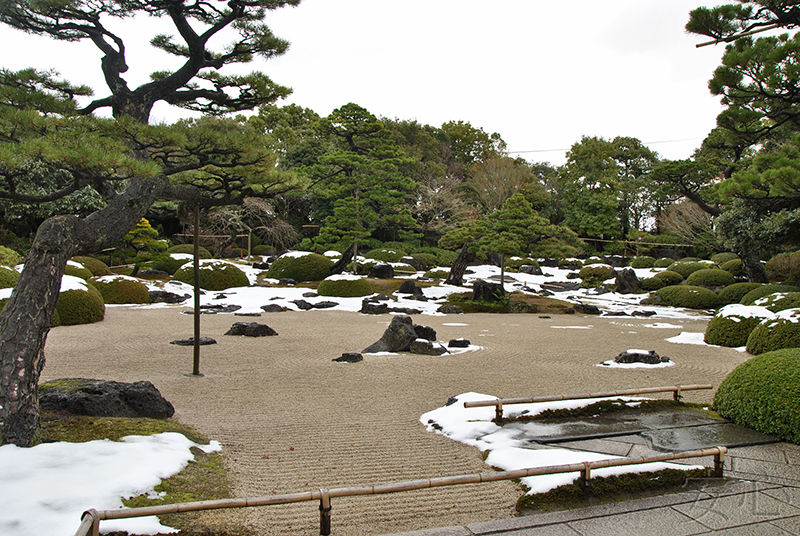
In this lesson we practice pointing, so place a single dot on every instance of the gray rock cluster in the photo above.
(102, 398)
(251, 329)
(403, 336)
(636, 356)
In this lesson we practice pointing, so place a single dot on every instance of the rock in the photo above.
(325, 304)
(396, 338)
(573, 275)
(251, 329)
(530, 269)
(219, 297)
(382, 271)
(548, 263)
(421, 346)
(617, 261)
(424, 332)
(303, 305)
(261, 265)
(349, 357)
(627, 282)
(246, 314)
(162, 296)
(370, 308)
(643, 313)
(522, 307)
(101, 398)
(272, 308)
(586, 309)
(404, 310)
(641, 356)
(486, 291)
(213, 309)
(409, 287)
(561, 286)
(379, 297)
(458, 343)
(411, 261)
(310, 295)
(190, 341)
(450, 310)
(286, 281)
(653, 299)
(615, 313)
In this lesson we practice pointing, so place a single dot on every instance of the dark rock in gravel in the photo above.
(246, 314)
(561, 286)
(486, 291)
(423, 347)
(458, 343)
(310, 295)
(450, 310)
(190, 341)
(586, 309)
(425, 332)
(382, 271)
(530, 269)
(162, 296)
(404, 310)
(349, 357)
(411, 261)
(644, 313)
(303, 305)
(286, 281)
(371, 308)
(627, 282)
(272, 308)
(102, 398)
(640, 356)
(251, 329)
(396, 338)
(325, 305)
(409, 287)
(261, 265)
(213, 309)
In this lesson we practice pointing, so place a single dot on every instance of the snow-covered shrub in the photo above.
(780, 301)
(513, 263)
(734, 293)
(189, 248)
(78, 304)
(301, 266)
(764, 290)
(77, 270)
(403, 268)
(776, 333)
(96, 266)
(710, 278)
(644, 261)
(386, 255)
(689, 297)
(171, 262)
(595, 274)
(732, 324)
(8, 277)
(670, 278)
(764, 394)
(121, 289)
(345, 286)
(214, 275)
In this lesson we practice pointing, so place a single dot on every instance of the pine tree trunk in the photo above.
(459, 266)
(752, 268)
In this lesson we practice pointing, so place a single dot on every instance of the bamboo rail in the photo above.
(498, 403)
(90, 520)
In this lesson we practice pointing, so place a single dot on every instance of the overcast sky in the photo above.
(542, 74)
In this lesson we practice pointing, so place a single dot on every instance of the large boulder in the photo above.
(382, 271)
(486, 291)
(409, 287)
(102, 398)
(397, 337)
(649, 357)
(251, 329)
(627, 282)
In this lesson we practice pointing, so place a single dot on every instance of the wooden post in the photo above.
(719, 464)
(196, 266)
(324, 512)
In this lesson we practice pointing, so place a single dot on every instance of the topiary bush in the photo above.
(403, 268)
(189, 248)
(121, 289)
(595, 274)
(733, 323)
(78, 303)
(764, 290)
(170, 263)
(385, 255)
(645, 261)
(76, 270)
(8, 277)
(652, 283)
(734, 293)
(514, 263)
(722, 258)
(780, 301)
(710, 278)
(663, 263)
(783, 265)
(301, 266)
(670, 278)
(688, 268)
(96, 266)
(428, 260)
(437, 274)
(9, 257)
(764, 394)
(734, 267)
(214, 275)
(776, 333)
(689, 297)
(345, 286)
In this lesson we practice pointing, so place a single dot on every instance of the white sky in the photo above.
(542, 74)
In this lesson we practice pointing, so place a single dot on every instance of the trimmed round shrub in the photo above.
(403, 268)
(764, 290)
(301, 266)
(96, 266)
(121, 289)
(669, 277)
(426, 259)
(437, 274)
(78, 306)
(722, 258)
(261, 250)
(364, 266)
(734, 293)
(652, 283)
(688, 268)
(688, 297)
(595, 274)
(214, 275)
(514, 263)
(764, 394)
(189, 248)
(386, 255)
(444, 257)
(9, 257)
(783, 265)
(345, 286)
(776, 333)
(645, 261)
(780, 301)
(570, 263)
(710, 277)
(733, 266)
(732, 324)
(76, 270)
(170, 263)
(663, 263)
(8, 277)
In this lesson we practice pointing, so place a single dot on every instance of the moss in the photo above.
(645, 261)
(386, 255)
(167, 263)
(311, 267)
(121, 290)
(688, 268)
(96, 266)
(663, 263)
(764, 394)
(669, 277)
(77, 271)
(764, 290)
(214, 275)
(780, 301)
(405, 269)
(689, 297)
(710, 277)
(9, 257)
(603, 407)
(652, 283)
(345, 288)
(775, 334)
(734, 267)
(595, 274)
(722, 258)
(426, 259)
(8, 277)
(515, 263)
(79, 307)
(734, 293)
(437, 274)
(189, 248)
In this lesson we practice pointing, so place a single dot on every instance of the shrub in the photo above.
(121, 289)
(783, 265)
(688, 268)
(345, 286)
(437, 274)
(301, 266)
(732, 324)
(652, 283)
(214, 275)
(733, 266)
(261, 250)
(776, 333)
(385, 255)
(722, 258)
(644, 261)
(710, 277)
(9, 257)
(764, 290)
(426, 259)
(764, 394)
(553, 248)
(689, 297)
(403, 268)
(96, 266)
(444, 257)
(76, 270)
(663, 263)
(669, 277)
(79, 304)
(734, 293)
(364, 266)
(514, 263)
(189, 248)
(595, 274)
(8, 277)
(170, 263)
(780, 301)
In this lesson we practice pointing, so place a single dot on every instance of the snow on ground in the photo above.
(46, 488)
(474, 427)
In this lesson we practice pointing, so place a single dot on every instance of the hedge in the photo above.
(776, 333)
(669, 277)
(214, 275)
(301, 266)
(710, 277)
(734, 293)
(644, 261)
(732, 324)
(121, 289)
(345, 286)
(688, 296)
(96, 266)
(764, 290)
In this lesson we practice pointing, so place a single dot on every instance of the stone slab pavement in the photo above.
(760, 496)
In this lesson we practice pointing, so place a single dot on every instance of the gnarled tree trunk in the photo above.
(460, 266)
